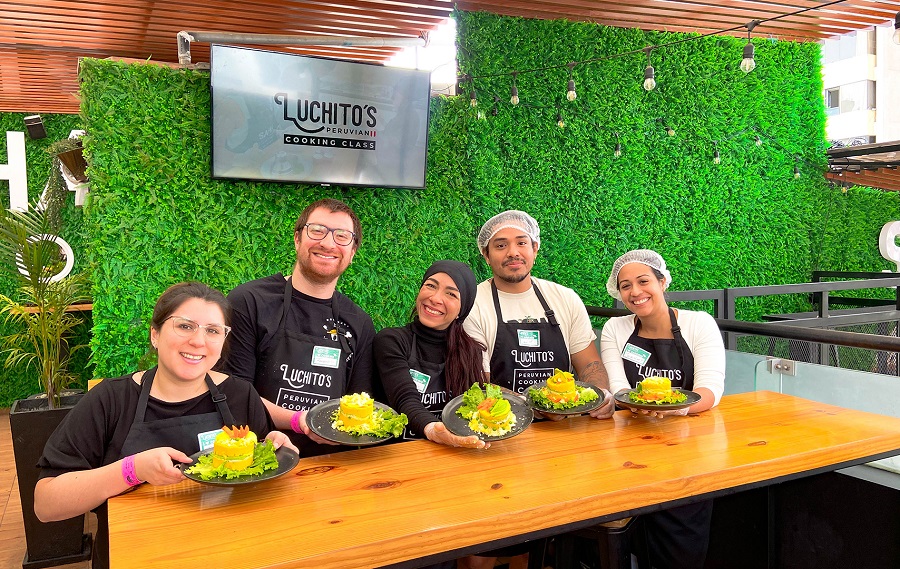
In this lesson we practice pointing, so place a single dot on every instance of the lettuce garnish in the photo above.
(545, 399)
(474, 396)
(384, 424)
(263, 459)
(675, 397)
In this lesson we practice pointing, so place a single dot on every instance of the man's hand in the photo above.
(607, 409)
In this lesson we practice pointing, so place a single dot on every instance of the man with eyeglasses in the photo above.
(299, 340)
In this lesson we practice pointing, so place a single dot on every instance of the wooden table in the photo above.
(393, 503)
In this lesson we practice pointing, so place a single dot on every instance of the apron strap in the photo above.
(146, 383)
(219, 399)
(335, 315)
(676, 333)
(551, 316)
(548, 312)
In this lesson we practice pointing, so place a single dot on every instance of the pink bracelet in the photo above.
(128, 472)
(295, 422)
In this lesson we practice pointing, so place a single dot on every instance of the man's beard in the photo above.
(514, 279)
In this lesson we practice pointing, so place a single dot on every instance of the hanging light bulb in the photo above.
(796, 172)
(559, 121)
(758, 140)
(670, 131)
(618, 150)
(649, 78)
(897, 29)
(649, 73)
(716, 158)
(514, 92)
(748, 64)
(473, 99)
(570, 88)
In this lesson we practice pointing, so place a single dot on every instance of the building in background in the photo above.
(861, 75)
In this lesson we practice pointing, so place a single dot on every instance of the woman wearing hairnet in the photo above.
(686, 347)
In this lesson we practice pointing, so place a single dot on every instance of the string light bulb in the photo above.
(717, 159)
(618, 150)
(758, 140)
(796, 172)
(473, 99)
(649, 73)
(570, 88)
(896, 37)
(514, 92)
(748, 64)
(559, 121)
(670, 131)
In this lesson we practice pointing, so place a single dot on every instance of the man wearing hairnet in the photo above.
(529, 325)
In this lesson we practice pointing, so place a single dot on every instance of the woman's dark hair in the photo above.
(659, 276)
(178, 294)
(464, 359)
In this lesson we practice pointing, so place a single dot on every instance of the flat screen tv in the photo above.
(292, 118)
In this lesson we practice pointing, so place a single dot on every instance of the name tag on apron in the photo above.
(420, 379)
(324, 356)
(635, 354)
(207, 439)
(529, 338)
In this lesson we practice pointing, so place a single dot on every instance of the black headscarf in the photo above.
(464, 279)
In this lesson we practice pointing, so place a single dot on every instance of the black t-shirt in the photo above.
(393, 347)
(256, 313)
(102, 418)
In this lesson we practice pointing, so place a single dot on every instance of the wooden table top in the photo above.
(391, 503)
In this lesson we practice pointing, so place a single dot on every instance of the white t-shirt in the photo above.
(701, 334)
(567, 306)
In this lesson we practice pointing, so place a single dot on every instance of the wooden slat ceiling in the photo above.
(41, 40)
(871, 165)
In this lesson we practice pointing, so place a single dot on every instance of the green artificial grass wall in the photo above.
(155, 217)
(19, 382)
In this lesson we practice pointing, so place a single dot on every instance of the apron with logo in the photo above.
(189, 434)
(647, 357)
(298, 371)
(429, 380)
(525, 353)
(677, 537)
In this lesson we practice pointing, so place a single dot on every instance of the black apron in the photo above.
(182, 433)
(676, 538)
(525, 353)
(298, 371)
(430, 382)
(646, 357)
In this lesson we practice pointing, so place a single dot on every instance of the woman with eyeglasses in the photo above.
(132, 429)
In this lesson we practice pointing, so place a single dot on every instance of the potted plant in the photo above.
(39, 311)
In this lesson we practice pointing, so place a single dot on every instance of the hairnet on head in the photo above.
(509, 218)
(463, 278)
(644, 256)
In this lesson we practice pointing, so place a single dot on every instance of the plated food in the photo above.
(356, 414)
(657, 390)
(657, 394)
(562, 394)
(355, 419)
(487, 413)
(236, 452)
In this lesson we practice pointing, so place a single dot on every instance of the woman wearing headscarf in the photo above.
(431, 360)
(682, 345)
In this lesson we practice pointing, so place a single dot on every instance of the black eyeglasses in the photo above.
(317, 232)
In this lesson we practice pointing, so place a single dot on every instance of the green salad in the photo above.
(547, 399)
